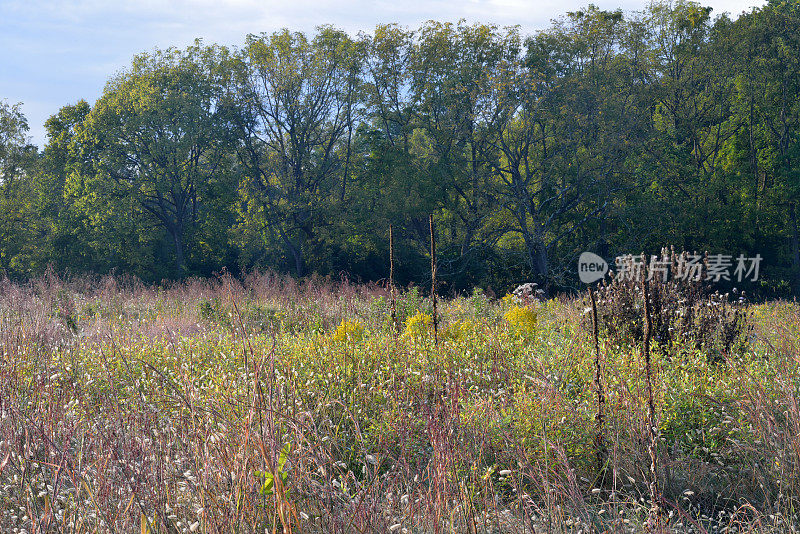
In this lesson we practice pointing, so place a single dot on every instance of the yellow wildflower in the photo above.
(418, 325)
(522, 319)
(348, 331)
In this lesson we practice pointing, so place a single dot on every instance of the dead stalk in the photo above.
(391, 280)
(599, 440)
(433, 282)
(654, 519)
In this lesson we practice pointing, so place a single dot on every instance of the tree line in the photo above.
(609, 132)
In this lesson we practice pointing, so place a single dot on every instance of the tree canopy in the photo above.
(609, 132)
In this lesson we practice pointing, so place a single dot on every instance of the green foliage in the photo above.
(607, 131)
(17, 158)
(162, 137)
(214, 311)
(268, 487)
(409, 303)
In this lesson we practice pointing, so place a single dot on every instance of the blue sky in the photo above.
(54, 53)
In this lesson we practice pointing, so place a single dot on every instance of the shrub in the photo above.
(683, 311)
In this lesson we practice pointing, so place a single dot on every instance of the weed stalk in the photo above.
(392, 295)
(654, 518)
(433, 282)
(599, 439)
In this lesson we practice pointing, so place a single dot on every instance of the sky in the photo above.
(54, 53)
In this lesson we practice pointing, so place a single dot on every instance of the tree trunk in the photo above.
(537, 254)
(180, 259)
(541, 260)
(297, 255)
(795, 247)
(298, 262)
(469, 232)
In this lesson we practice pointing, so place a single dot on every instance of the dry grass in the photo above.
(233, 406)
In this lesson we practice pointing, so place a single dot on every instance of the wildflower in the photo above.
(522, 319)
(348, 331)
(418, 325)
(510, 299)
(456, 331)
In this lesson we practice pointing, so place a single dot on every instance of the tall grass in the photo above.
(231, 405)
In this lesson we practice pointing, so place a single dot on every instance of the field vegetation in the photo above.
(271, 405)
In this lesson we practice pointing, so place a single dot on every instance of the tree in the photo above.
(302, 101)
(164, 132)
(59, 235)
(15, 148)
(766, 147)
(17, 159)
(396, 182)
(690, 91)
(452, 72)
(555, 136)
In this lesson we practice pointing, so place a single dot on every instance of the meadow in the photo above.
(271, 405)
